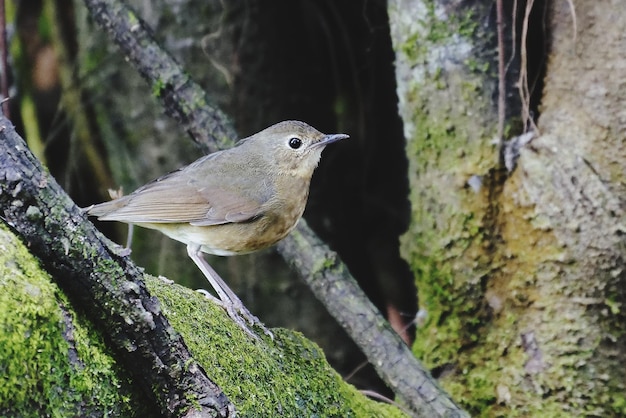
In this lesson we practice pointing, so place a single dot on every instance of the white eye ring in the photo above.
(294, 142)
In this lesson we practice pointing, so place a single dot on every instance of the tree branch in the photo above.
(93, 275)
(183, 99)
(332, 284)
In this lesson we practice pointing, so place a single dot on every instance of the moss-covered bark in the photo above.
(520, 275)
(53, 362)
(565, 222)
(285, 377)
(445, 91)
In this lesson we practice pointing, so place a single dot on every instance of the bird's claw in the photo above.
(239, 314)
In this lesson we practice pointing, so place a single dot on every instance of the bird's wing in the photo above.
(185, 196)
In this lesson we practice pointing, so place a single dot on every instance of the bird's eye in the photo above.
(295, 143)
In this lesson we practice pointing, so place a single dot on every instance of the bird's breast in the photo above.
(280, 215)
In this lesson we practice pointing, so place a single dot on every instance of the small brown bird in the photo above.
(235, 201)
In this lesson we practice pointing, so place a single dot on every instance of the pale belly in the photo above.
(231, 238)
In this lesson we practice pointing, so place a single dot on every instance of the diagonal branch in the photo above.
(94, 276)
(182, 98)
(331, 283)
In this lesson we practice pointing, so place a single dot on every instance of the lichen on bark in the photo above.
(445, 91)
(521, 278)
(51, 358)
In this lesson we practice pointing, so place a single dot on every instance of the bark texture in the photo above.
(521, 275)
(566, 222)
(104, 282)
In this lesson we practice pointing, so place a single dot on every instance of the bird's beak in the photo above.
(329, 139)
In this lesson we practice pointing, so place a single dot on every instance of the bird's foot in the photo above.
(210, 297)
(239, 314)
(240, 309)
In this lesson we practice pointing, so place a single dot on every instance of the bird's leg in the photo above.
(227, 298)
(214, 280)
(129, 237)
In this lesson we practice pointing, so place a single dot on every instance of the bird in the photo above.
(235, 201)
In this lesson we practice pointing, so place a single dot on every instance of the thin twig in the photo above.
(529, 123)
(513, 37)
(4, 78)
(538, 74)
(501, 72)
(378, 396)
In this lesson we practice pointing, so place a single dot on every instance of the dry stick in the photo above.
(106, 284)
(524, 92)
(182, 98)
(334, 286)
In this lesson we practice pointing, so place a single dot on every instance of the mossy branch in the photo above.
(104, 283)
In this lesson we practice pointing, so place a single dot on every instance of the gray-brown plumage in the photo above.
(230, 202)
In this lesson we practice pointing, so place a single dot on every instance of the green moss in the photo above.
(44, 23)
(436, 28)
(157, 88)
(287, 376)
(618, 403)
(52, 362)
(132, 18)
(453, 317)
(448, 112)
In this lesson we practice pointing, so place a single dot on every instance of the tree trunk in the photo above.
(520, 273)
